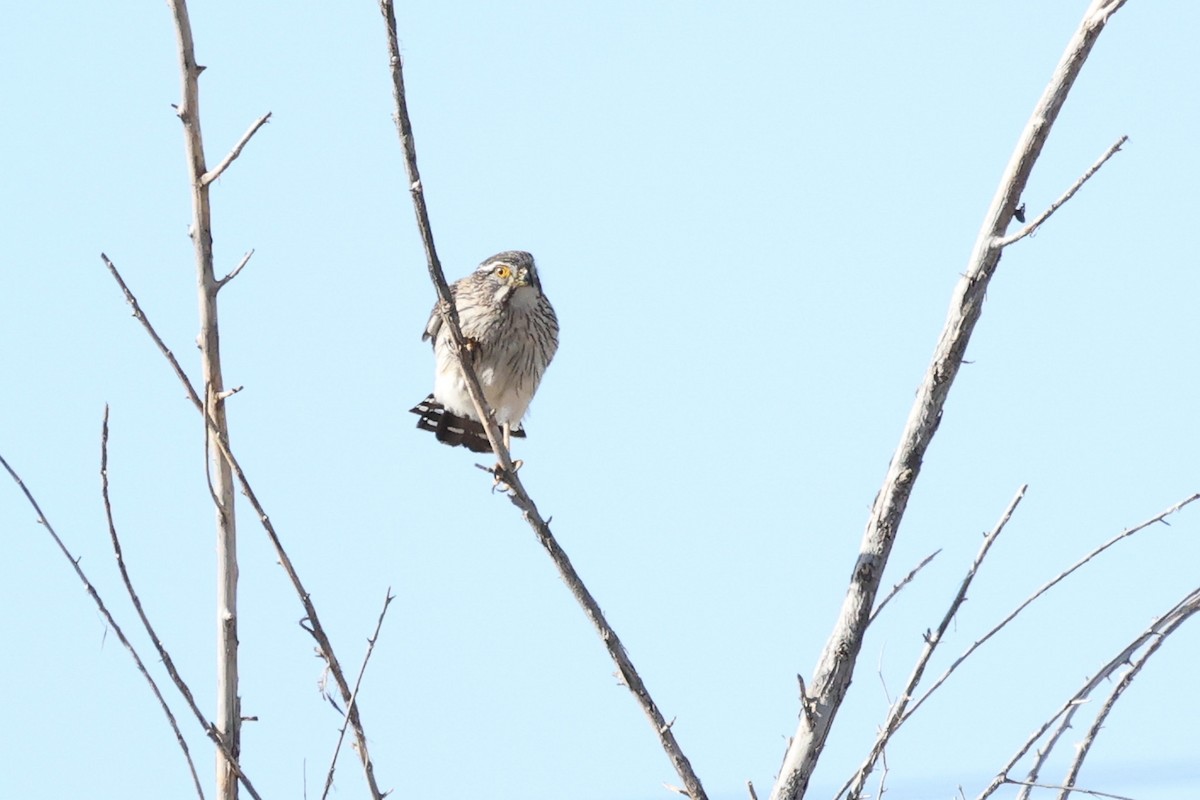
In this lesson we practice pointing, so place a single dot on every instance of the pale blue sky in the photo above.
(750, 218)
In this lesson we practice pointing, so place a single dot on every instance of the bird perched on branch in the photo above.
(511, 334)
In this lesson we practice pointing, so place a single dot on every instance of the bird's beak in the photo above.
(520, 278)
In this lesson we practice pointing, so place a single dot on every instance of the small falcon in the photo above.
(512, 334)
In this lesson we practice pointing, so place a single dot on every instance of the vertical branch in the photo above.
(835, 668)
(228, 715)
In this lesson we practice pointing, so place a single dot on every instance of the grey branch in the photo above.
(1153, 636)
(835, 667)
(896, 715)
(1067, 195)
(168, 663)
(504, 470)
(233, 273)
(1074, 789)
(313, 626)
(352, 703)
(228, 716)
(216, 171)
(1157, 518)
(112, 623)
(907, 579)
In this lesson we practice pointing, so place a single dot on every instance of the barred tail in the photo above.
(452, 429)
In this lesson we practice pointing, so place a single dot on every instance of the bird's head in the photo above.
(508, 272)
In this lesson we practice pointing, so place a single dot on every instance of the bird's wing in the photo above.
(434, 325)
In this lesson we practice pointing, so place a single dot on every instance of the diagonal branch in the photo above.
(233, 273)
(210, 729)
(137, 604)
(835, 668)
(216, 171)
(1158, 630)
(313, 626)
(353, 701)
(905, 581)
(504, 470)
(1047, 586)
(896, 715)
(168, 663)
(1067, 195)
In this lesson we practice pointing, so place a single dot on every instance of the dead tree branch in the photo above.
(1153, 636)
(311, 622)
(353, 701)
(896, 714)
(504, 470)
(1032, 227)
(1157, 518)
(835, 667)
(112, 623)
(216, 171)
(137, 604)
(905, 581)
(168, 663)
(229, 712)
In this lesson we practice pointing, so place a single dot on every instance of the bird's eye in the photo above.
(503, 272)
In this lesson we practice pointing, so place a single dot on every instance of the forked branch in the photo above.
(896, 715)
(311, 622)
(835, 667)
(137, 659)
(1151, 640)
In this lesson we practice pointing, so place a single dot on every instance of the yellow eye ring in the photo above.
(503, 272)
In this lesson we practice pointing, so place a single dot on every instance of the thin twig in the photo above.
(353, 702)
(831, 678)
(896, 715)
(1067, 195)
(1075, 789)
(904, 582)
(1042, 590)
(112, 623)
(504, 471)
(1177, 617)
(233, 273)
(1161, 627)
(216, 171)
(137, 604)
(311, 622)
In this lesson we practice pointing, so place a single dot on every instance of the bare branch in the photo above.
(1067, 195)
(1155, 634)
(750, 789)
(353, 701)
(216, 171)
(504, 471)
(1075, 789)
(168, 663)
(228, 714)
(896, 715)
(805, 700)
(137, 604)
(835, 668)
(1042, 590)
(313, 623)
(234, 272)
(112, 623)
(904, 582)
